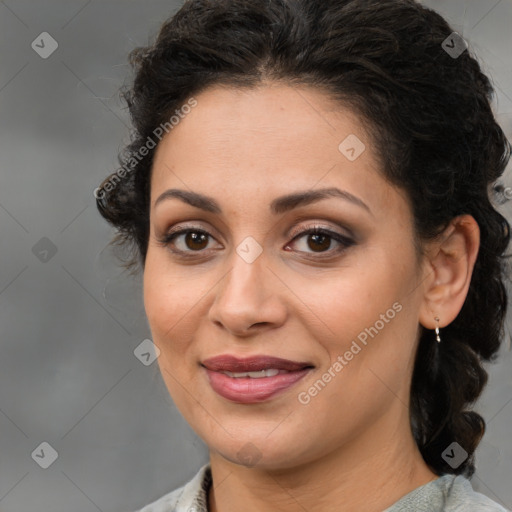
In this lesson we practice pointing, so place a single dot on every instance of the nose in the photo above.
(248, 299)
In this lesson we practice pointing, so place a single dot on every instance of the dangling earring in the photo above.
(438, 338)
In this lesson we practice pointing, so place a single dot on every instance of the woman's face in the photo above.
(344, 304)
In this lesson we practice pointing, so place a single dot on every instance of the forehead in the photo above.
(268, 141)
(297, 126)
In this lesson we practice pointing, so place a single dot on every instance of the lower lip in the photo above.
(246, 390)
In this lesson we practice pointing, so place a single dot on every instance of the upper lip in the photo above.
(232, 363)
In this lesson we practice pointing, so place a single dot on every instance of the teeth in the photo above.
(255, 375)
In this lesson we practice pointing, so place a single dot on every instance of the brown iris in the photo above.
(319, 238)
(193, 237)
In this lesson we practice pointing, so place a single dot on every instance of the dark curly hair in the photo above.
(432, 126)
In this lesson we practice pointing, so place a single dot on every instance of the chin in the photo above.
(260, 452)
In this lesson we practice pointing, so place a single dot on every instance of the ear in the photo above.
(448, 266)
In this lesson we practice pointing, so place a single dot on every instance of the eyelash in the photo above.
(345, 241)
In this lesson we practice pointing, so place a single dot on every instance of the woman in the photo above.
(306, 192)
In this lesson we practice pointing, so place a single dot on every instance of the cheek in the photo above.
(167, 293)
(368, 315)
(165, 302)
(168, 301)
(355, 297)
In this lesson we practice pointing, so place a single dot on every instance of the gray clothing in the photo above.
(448, 493)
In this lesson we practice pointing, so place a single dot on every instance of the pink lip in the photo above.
(249, 390)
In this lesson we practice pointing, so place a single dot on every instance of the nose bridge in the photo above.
(245, 282)
(243, 297)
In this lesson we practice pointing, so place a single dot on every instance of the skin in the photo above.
(352, 443)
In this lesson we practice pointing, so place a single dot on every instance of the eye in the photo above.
(319, 240)
(192, 240)
(187, 241)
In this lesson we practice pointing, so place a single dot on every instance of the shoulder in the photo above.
(191, 497)
(448, 493)
(462, 497)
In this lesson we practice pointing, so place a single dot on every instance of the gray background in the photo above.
(69, 326)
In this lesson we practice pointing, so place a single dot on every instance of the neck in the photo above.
(367, 474)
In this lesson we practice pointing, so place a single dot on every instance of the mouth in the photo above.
(254, 379)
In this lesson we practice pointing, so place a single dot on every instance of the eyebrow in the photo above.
(279, 205)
